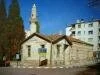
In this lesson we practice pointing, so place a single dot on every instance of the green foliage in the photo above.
(11, 29)
(3, 18)
(2, 10)
(16, 32)
(14, 9)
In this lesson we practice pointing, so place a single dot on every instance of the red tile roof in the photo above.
(55, 38)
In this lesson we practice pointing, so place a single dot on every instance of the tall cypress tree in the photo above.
(14, 9)
(3, 16)
(15, 23)
(2, 9)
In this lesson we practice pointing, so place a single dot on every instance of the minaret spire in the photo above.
(33, 13)
(33, 20)
(34, 25)
(34, 5)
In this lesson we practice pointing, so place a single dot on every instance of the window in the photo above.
(79, 33)
(90, 39)
(90, 32)
(29, 50)
(79, 25)
(90, 25)
(84, 32)
(73, 33)
(99, 45)
(99, 24)
(84, 25)
(99, 29)
(73, 25)
(58, 50)
(99, 37)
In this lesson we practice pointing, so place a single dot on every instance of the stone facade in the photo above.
(60, 51)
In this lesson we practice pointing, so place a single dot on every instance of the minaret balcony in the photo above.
(33, 20)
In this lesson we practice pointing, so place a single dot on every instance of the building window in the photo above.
(99, 29)
(99, 38)
(29, 50)
(90, 32)
(58, 50)
(79, 33)
(99, 45)
(73, 33)
(79, 25)
(84, 25)
(90, 39)
(84, 32)
(73, 25)
(99, 24)
(90, 25)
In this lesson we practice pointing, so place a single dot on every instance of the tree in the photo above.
(16, 32)
(3, 17)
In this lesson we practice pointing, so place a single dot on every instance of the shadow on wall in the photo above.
(43, 62)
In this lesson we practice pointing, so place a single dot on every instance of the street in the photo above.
(43, 71)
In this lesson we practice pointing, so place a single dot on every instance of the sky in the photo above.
(55, 15)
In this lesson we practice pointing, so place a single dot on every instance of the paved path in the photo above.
(40, 71)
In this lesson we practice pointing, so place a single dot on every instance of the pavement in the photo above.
(41, 71)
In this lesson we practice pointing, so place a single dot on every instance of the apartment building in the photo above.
(88, 32)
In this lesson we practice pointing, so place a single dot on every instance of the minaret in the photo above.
(33, 19)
